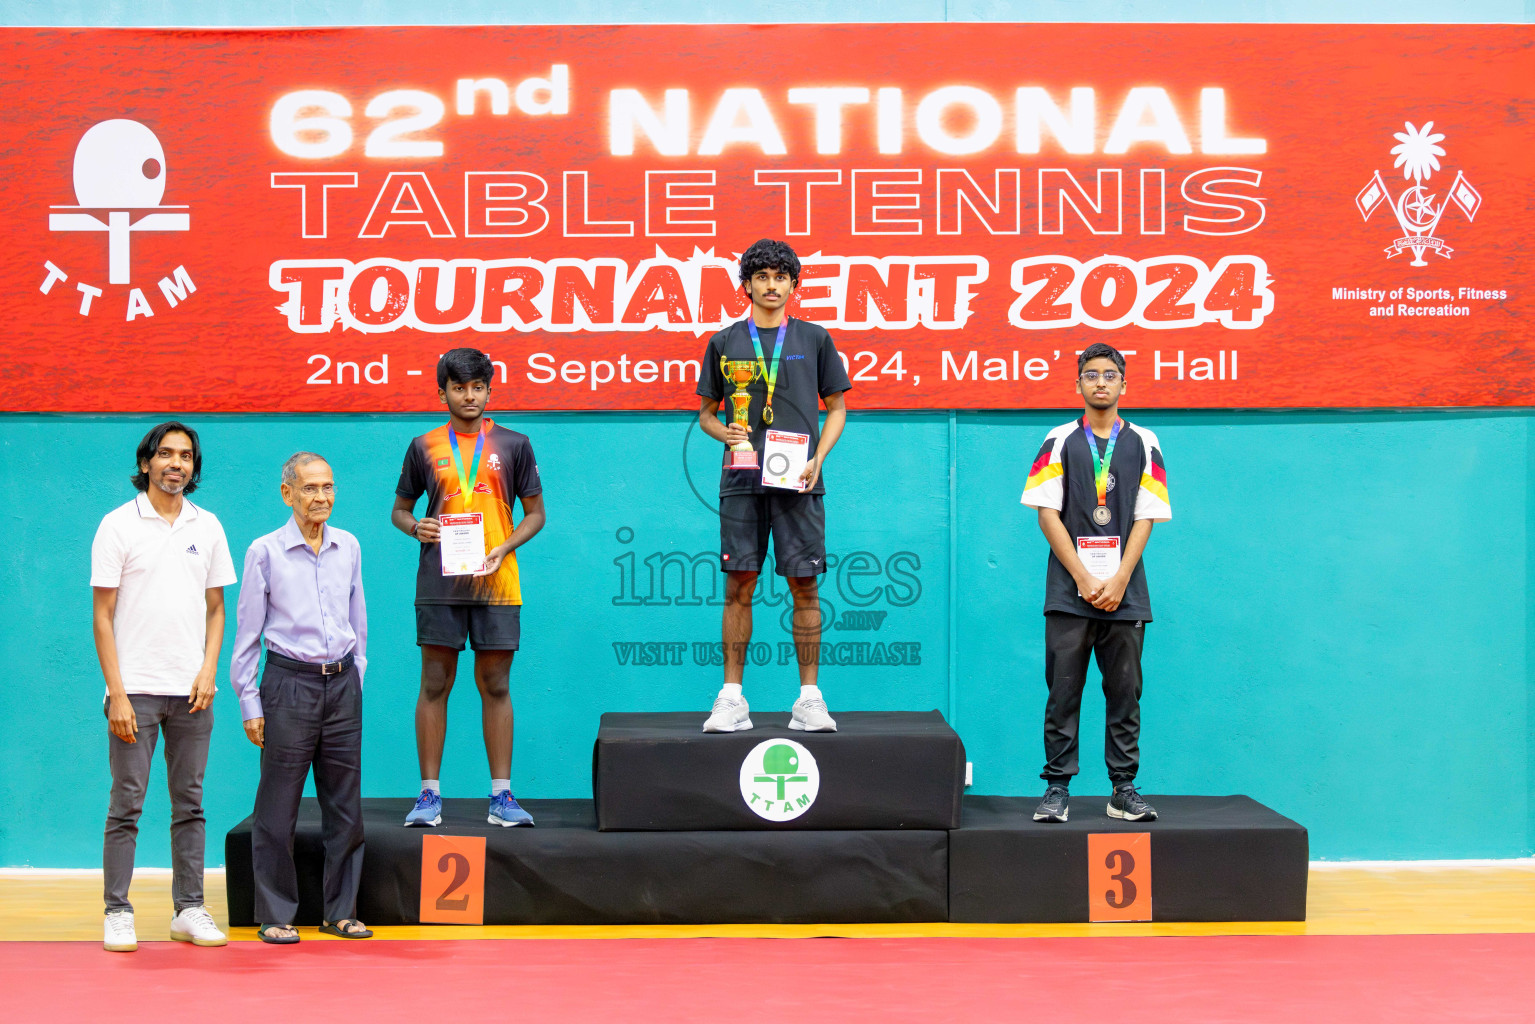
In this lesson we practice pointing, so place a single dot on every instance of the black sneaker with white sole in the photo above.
(1053, 806)
(1126, 803)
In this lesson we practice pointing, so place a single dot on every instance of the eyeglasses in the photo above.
(1108, 376)
(310, 490)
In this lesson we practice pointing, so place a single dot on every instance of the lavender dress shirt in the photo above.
(309, 606)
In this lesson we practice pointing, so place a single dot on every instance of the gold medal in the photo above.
(767, 414)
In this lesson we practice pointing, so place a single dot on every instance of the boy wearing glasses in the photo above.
(1098, 484)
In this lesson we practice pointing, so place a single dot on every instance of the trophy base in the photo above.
(741, 460)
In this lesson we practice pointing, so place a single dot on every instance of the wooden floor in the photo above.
(1342, 900)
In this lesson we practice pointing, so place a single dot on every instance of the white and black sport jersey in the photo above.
(1061, 478)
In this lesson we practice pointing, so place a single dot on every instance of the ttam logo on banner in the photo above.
(1417, 152)
(120, 177)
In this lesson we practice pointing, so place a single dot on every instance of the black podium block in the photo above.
(881, 770)
(564, 871)
(1213, 859)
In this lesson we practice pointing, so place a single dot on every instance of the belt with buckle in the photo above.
(314, 668)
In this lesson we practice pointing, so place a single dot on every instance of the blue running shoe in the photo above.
(427, 812)
(505, 812)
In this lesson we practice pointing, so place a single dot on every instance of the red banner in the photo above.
(296, 220)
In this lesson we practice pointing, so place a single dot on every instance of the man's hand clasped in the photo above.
(1104, 595)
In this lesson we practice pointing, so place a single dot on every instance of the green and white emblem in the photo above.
(779, 780)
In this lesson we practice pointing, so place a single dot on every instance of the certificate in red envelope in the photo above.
(462, 542)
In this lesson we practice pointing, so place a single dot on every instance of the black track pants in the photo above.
(1069, 641)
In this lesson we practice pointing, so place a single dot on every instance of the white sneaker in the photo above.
(195, 925)
(118, 935)
(810, 715)
(730, 714)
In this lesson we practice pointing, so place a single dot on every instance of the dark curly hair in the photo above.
(151, 444)
(768, 254)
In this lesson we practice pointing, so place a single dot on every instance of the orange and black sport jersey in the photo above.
(507, 473)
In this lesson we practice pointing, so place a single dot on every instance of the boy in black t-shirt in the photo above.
(468, 467)
(1098, 483)
(798, 367)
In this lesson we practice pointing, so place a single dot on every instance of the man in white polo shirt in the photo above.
(158, 568)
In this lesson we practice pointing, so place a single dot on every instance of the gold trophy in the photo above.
(741, 372)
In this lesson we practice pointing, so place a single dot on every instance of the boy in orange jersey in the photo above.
(471, 471)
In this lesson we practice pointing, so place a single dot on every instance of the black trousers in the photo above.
(1069, 641)
(311, 720)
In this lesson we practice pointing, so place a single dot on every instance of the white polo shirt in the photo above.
(161, 572)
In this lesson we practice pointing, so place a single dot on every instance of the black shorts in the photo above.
(487, 627)
(797, 523)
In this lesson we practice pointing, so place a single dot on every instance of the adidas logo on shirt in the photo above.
(191, 549)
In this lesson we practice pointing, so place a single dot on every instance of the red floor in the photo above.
(1281, 979)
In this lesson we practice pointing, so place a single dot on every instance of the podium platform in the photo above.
(880, 770)
(773, 826)
(1210, 859)
(564, 871)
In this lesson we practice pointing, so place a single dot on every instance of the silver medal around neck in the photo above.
(1102, 515)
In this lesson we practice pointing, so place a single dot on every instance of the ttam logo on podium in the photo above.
(120, 178)
(779, 780)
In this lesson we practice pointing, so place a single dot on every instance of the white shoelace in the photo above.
(723, 703)
(809, 704)
(199, 917)
(120, 925)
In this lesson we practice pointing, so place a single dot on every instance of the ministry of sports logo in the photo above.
(119, 183)
(779, 780)
(1418, 211)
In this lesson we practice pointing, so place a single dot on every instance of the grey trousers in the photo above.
(186, 755)
(311, 720)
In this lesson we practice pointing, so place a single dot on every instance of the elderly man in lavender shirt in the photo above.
(303, 591)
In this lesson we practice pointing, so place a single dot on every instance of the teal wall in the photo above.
(1342, 618)
(1343, 625)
